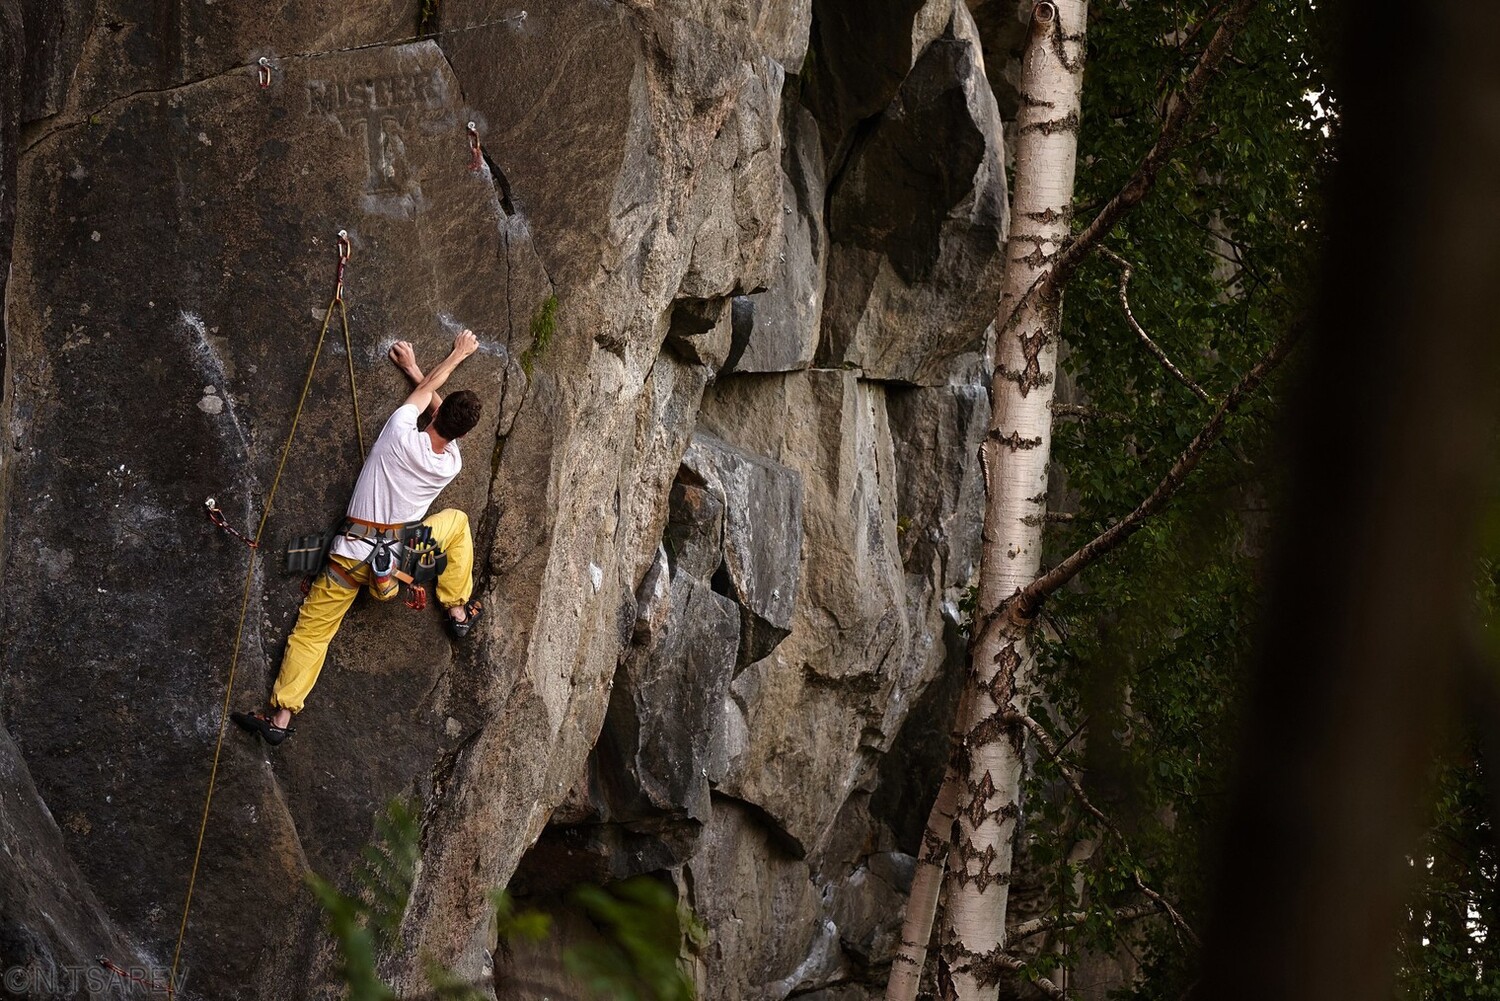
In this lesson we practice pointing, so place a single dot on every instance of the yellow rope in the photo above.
(359, 426)
(338, 300)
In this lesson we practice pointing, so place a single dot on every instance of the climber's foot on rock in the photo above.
(461, 618)
(273, 728)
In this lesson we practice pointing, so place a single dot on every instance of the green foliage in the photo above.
(1450, 943)
(368, 920)
(644, 929)
(1143, 661)
(356, 942)
(365, 923)
(445, 985)
(543, 326)
(968, 604)
(427, 14)
(512, 924)
(1449, 946)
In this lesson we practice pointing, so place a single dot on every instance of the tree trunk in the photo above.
(1014, 458)
(979, 803)
(1390, 454)
(927, 882)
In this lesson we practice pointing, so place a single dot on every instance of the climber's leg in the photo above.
(307, 647)
(450, 529)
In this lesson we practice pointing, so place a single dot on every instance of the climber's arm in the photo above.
(404, 357)
(422, 394)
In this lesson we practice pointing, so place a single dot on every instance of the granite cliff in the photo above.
(732, 266)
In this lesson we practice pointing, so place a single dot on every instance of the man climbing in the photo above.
(407, 468)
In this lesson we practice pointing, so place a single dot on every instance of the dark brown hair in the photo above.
(457, 415)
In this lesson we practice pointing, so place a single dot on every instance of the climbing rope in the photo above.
(216, 515)
(338, 297)
(255, 546)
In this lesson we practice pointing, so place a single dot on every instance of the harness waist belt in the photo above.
(406, 551)
(377, 524)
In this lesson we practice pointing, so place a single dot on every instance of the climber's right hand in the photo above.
(465, 344)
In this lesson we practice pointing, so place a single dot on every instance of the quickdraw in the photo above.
(338, 285)
(475, 149)
(263, 72)
(217, 517)
(151, 985)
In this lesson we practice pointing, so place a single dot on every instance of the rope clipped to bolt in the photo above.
(255, 546)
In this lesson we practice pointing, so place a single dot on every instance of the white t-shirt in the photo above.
(400, 479)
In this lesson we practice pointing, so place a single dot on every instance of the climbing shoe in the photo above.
(262, 724)
(471, 615)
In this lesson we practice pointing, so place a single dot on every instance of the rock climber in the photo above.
(407, 468)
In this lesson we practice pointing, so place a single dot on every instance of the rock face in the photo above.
(731, 266)
(915, 222)
(52, 926)
(776, 330)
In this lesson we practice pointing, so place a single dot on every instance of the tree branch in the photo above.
(1167, 907)
(1029, 598)
(1125, 272)
(1056, 922)
(1081, 412)
(1180, 110)
(1046, 986)
(1181, 107)
(1071, 778)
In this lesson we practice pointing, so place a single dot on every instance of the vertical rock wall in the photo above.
(848, 415)
(731, 266)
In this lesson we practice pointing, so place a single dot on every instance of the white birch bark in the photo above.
(1014, 458)
(927, 883)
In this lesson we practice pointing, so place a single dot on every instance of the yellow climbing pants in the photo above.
(324, 607)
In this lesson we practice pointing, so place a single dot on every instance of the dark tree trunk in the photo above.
(1370, 597)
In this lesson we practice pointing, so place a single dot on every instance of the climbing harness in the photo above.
(255, 544)
(406, 553)
(475, 149)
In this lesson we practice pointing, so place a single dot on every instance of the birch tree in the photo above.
(1013, 457)
(969, 843)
